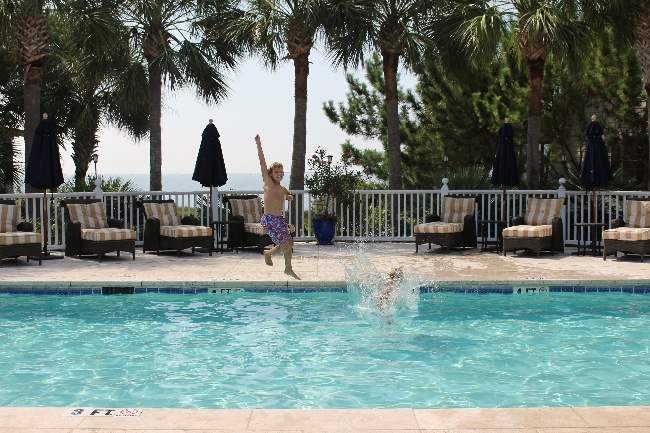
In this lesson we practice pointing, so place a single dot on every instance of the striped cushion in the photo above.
(637, 213)
(439, 227)
(185, 231)
(627, 234)
(524, 231)
(17, 238)
(109, 234)
(543, 210)
(8, 217)
(91, 216)
(167, 213)
(454, 210)
(257, 228)
(250, 209)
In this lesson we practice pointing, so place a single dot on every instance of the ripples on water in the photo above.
(329, 350)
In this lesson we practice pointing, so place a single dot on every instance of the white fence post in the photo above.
(99, 194)
(561, 193)
(445, 188)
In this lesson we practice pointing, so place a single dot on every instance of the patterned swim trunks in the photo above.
(277, 228)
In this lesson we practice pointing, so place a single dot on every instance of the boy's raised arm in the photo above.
(260, 154)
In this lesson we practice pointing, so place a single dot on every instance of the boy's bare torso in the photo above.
(274, 194)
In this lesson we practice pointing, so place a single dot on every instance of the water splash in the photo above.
(372, 291)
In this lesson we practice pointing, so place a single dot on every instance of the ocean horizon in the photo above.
(183, 181)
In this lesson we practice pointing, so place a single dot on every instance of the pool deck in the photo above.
(320, 266)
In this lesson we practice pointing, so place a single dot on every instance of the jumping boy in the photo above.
(385, 297)
(272, 220)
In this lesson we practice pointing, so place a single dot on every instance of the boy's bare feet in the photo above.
(267, 259)
(291, 273)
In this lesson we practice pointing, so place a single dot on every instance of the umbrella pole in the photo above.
(45, 229)
(594, 217)
(595, 220)
(211, 218)
(44, 222)
(503, 203)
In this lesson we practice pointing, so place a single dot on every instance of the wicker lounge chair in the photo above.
(17, 239)
(540, 230)
(632, 235)
(165, 230)
(89, 232)
(455, 227)
(248, 210)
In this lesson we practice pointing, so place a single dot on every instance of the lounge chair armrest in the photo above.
(236, 232)
(153, 224)
(190, 221)
(469, 231)
(73, 238)
(25, 226)
(115, 223)
(558, 235)
(517, 221)
(617, 222)
(431, 218)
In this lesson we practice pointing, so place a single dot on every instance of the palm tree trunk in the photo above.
(83, 147)
(155, 132)
(646, 168)
(31, 50)
(533, 157)
(643, 51)
(297, 179)
(390, 63)
(32, 100)
(301, 67)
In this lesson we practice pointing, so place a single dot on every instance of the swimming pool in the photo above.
(320, 350)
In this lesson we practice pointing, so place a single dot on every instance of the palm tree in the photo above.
(10, 171)
(27, 25)
(90, 58)
(397, 29)
(173, 44)
(533, 28)
(642, 42)
(10, 122)
(286, 30)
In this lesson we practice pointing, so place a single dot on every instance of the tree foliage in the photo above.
(459, 116)
(173, 39)
(331, 185)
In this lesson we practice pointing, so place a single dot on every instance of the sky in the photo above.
(260, 102)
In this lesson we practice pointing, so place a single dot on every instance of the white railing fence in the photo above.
(375, 215)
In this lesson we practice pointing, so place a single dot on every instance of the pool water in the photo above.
(323, 350)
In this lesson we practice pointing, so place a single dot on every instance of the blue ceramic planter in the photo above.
(324, 231)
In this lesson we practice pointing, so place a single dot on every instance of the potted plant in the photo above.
(331, 187)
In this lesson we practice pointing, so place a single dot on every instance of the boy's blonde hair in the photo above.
(396, 274)
(275, 166)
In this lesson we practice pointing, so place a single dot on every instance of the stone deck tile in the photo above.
(325, 264)
(532, 420)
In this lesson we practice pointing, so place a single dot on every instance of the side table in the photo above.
(221, 236)
(484, 227)
(595, 244)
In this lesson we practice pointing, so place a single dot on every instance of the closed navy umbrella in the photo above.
(210, 170)
(44, 166)
(596, 171)
(504, 170)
